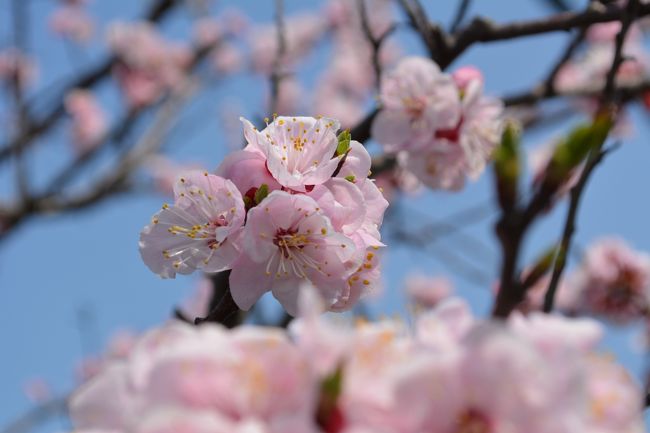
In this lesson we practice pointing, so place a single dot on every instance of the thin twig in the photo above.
(595, 157)
(277, 74)
(461, 11)
(37, 415)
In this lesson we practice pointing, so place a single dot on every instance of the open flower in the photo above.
(287, 239)
(299, 150)
(197, 232)
(417, 100)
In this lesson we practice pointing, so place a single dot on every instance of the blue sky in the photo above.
(55, 267)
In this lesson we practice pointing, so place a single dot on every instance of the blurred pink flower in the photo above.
(89, 124)
(426, 291)
(16, 65)
(72, 22)
(612, 281)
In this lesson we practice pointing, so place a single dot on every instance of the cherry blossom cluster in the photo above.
(149, 64)
(295, 205)
(441, 126)
(89, 122)
(452, 373)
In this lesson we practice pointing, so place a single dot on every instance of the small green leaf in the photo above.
(261, 193)
(344, 142)
(350, 178)
(507, 166)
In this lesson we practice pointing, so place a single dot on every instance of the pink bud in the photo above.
(465, 75)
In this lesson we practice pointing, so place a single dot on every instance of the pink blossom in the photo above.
(613, 281)
(591, 67)
(16, 65)
(227, 59)
(417, 100)
(465, 75)
(298, 150)
(451, 125)
(197, 231)
(247, 169)
(181, 378)
(288, 239)
(89, 123)
(150, 65)
(72, 22)
(535, 373)
(427, 291)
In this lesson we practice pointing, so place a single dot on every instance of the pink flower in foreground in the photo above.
(288, 239)
(457, 374)
(181, 378)
(613, 281)
(298, 150)
(72, 22)
(197, 231)
(88, 120)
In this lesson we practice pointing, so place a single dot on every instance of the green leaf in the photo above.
(573, 150)
(344, 142)
(507, 166)
(332, 385)
(261, 193)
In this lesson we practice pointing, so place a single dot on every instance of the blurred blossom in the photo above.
(381, 378)
(590, 68)
(165, 172)
(302, 32)
(89, 124)
(150, 65)
(612, 281)
(227, 59)
(443, 127)
(38, 390)
(16, 66)
(72, 22)
(426, 291)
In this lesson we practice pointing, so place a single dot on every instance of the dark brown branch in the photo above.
(222, 306)
(483, 30)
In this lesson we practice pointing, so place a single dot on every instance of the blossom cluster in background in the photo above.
(441, 125)
(538, 373)
(296, 204)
